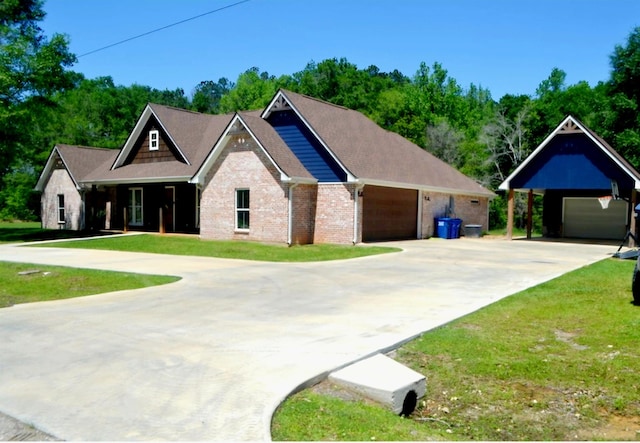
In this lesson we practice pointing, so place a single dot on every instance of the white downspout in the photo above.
(419, 221)
(356, 197)
(290, 227)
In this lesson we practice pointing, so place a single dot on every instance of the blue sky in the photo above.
(506, 46)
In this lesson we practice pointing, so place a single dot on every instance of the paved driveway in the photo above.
(211, 356)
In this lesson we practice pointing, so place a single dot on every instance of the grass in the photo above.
(555, 362)
(191, 245)
(517, 232)
(19, 232)
(43, 283)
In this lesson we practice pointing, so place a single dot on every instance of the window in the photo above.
(242, 209)
(154, 139)
(135, 207)
(61, 214)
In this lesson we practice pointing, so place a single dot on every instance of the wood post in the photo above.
(529, 214)
(510, 204)
(126, 221)
(162, 230)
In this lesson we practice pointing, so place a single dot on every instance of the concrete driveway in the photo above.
(211, 356)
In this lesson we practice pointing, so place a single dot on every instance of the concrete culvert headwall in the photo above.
(384, 380)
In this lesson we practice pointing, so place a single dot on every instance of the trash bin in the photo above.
(454, 228)
(442, 227)
(473, 231)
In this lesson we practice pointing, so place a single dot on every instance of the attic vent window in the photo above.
(153, 140)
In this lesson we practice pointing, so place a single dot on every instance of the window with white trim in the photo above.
(154, 140)
(135, 207)
(61, 212)
(242, 209)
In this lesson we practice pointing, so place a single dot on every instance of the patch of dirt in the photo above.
(568, 338)
(617, 428)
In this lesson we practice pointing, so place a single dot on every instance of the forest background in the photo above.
(44, 102)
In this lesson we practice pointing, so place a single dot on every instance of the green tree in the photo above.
(253, 90)
(624, 89)
(32, 68)
(207, 95)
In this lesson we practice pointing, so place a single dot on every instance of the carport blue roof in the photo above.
(573, 157)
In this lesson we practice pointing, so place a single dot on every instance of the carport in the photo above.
(589, 189)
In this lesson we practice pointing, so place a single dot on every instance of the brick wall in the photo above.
(244, 166)
(472, 210)
(60, 183)
(334, 214)
(304, 214)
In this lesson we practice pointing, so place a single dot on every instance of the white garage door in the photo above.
(585, 218)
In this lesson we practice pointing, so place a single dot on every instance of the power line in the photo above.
(162, 28)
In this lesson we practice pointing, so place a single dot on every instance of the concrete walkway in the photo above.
(211, 356)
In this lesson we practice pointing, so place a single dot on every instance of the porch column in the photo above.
(632, 222)
(529, 213)
(161, 218)
(510, 202)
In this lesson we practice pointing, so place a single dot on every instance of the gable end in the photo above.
(143, 151)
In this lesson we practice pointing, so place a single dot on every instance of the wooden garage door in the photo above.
(389, 213)
(585, 218)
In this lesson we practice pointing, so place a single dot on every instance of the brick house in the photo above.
(300, 171)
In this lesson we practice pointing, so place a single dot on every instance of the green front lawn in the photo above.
(19, 232)
(192, 245)
(26, 283)
(555, 362)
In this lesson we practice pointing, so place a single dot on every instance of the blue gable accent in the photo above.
(571, 161)
(306, 147)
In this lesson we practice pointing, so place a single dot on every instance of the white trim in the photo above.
(49, 167)
(152, 140)
(389, 184)
(267, 112)
(130, 206)
(133, 180)
(506, 184)
(419, 216)
(292, 186)
(356, 207)
(63, 220)
(137, 132)
(238, 210)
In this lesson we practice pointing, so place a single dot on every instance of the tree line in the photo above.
(45, 102)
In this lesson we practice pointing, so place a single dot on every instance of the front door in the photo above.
(169, 209)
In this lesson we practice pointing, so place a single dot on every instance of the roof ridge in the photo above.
(325, 102)
(96, 148)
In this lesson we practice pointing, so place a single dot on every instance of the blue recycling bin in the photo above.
(454, 227)
(448, 228)
(442, 227)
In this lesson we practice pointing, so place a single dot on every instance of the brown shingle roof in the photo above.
(367, 151)
(81, 161)
(370, 152)
(194, 134)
